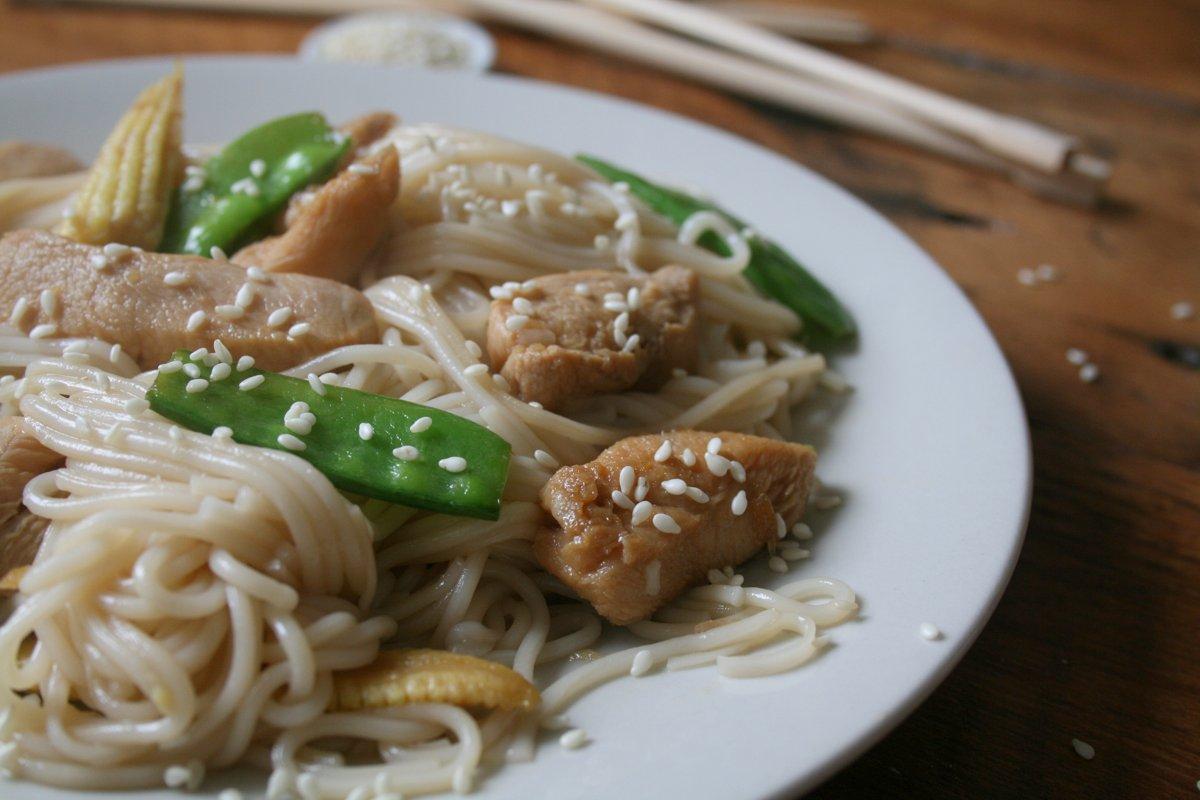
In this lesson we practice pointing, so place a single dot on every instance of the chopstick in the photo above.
(621, 36)
(802, 22)
(1019, 140)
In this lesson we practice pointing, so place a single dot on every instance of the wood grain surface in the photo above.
(1097, 636)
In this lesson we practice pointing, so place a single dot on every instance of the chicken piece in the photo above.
(34, 160)
(333, 234)
(22, 458)
(630, 544)
(364, 131)
(123, 298)
(571, 335)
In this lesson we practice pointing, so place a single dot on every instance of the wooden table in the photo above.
(1096, 638)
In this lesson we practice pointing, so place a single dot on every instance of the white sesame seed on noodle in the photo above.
(244, 363)
(777, 564)
(196, 320)
(929, 631)
(136, 406)
(175, 278)
(245, 295)
(43, 331)
(453, 464)
(545, 459)
(407, 452)
(299, 330)
(191, 370)
(198, 354)
(222, 352)
(421, 425)
(330, 378)
(116, 250)
(781, 527)
(573, 739)
(253, 382)
(475, 369)
(535, 404)
(315, 384)
(222, 432)
(290, 442)
(474, 349)
(229, 312)
(279, 317)
(257, 274)
(643, 662)
(522, 306)
(48, 300)
(516, 322)
(801, 531)
(196, 385)
(19, 310)
(220, 372)
(170, 366)
(665, 523)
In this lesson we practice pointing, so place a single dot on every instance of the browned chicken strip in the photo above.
(333, 233)
(154, 303)
(22, 458)
(571, 335)
(633, 531)
(33, 160)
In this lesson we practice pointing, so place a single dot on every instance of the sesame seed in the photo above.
(621, 323)
(929, 631)
(510, 208)
(196, 385)
(738, 506)
(717, 465)
(244, 363)
(674, 486)
(302, 424)
(522, 306)
(573, 739)
(258, 168)
(801, 531)
(643, 488)
(175, 278)
(220, 372)
(1088, 373)
(1026, 277)
(535, 404)
(474, 349)
(777, 564)
(738, 471)
(421, 425)
(169, 367)
(717, 578)
(827, 501)
(626, 220)
(222, 352)
(516, 322)
(641, 512)
(290, 442)
(643, 661)
(620, 337)
(198, 354)
(409, 453)
(222, 432)
(136, 405)
(689, 458)
(365, 431)
(191, 370)
(1083, 749)
(631, 343)
(714, 445)
(279, 317)
(256, 274)
(1076, 356)
(663, 452)
(1046, 272)
(793, 552)
(48, 300)
(315, 384)
(621, 186)
(781, 527)
(116, 250)
(615, 305)
(634, 298)
(475, 369)
(601, 242)
(1183, 310)
(245, 295)
(75, 358)
(114, 353)
(229, 312)
(196, 320)
(500, 293)
(621, 499)
(665, 523)
(253, 382)
(581, 288)
(43, 331)
(697, 494)
(626, 478)
(453, 464)
(217, 254)
(296, 409)
(298, 330)
(545, 459)
(99, 261)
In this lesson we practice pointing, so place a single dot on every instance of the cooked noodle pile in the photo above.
(194, 596)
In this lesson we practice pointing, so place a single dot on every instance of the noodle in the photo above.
(197, 595)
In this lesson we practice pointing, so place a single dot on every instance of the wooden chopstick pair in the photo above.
(767, 66)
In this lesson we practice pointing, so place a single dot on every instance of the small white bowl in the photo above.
(405, 39)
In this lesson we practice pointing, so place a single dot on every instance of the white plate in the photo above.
(931, 451)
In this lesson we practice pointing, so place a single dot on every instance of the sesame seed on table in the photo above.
(1094, 640)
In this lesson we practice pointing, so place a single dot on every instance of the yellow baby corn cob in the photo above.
(128, 190)
(397, 677)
